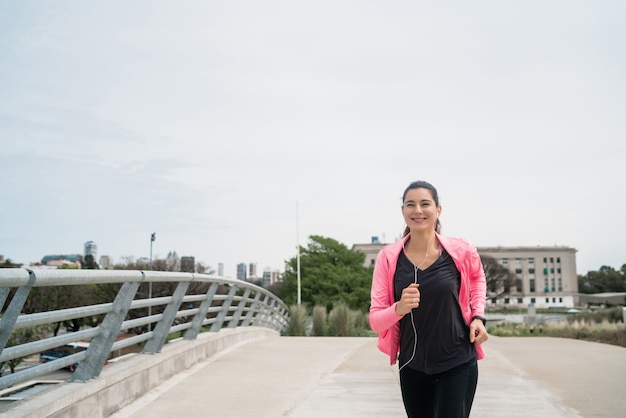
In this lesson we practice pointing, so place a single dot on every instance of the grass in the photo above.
(604, 326)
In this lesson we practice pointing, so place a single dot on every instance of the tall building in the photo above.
(91, 248)
(220, 269)
(252, 271)
(241, 272)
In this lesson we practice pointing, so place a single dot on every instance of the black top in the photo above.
(442, 334)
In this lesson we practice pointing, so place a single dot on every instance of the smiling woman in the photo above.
(427, 305)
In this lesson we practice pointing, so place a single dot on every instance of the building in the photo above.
(603, 299)
(241, 272)
(172, 261)
(252, 271)
(220, 269)
(546, 275)
(62, 263)
(370, 250)
(106, 262)
(188, 264)
(270, 276)
(91, 248)
(73, 258)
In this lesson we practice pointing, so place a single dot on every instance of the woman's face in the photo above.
(419, 210)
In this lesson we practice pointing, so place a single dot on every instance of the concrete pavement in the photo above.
(313, 377)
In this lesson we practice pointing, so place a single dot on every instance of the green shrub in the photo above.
(361, 326)
(340, 320)
(319, 321)
(509, 329)
(297, 323)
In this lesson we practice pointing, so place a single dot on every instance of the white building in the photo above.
(547, 275)
(106, 262)
(91, 248)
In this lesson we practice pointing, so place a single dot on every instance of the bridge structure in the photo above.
(187, 310)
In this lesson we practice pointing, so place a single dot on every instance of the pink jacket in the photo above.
(383, 317)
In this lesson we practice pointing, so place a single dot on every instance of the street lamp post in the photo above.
(299, 296)
(152, 238)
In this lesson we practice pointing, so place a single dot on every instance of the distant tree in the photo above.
(204, 269)
(51, 298)
(21, 336)
(89, 263)
(127, 262)
(606, 279)
(499, 279)
(8, 263)
(330, 273)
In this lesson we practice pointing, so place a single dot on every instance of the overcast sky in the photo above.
(236, 129)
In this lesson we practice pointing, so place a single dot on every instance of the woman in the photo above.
(428, 302)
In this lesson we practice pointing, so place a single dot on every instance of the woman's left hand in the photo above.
(478, 333)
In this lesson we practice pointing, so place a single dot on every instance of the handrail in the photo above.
(227, 303)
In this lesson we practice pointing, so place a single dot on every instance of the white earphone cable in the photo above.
(415, 268)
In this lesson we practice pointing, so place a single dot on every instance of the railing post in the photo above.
(198, 319)
(251, 309)
(284, 318)
(13, 310)
(235, 321)
(262, 314)
(221, 316)
(271, 317)
(155, 344)
(101, 344)
(4, 293)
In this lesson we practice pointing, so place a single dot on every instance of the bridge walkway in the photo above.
(312, 377)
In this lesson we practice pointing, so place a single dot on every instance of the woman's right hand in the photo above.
(409, 300)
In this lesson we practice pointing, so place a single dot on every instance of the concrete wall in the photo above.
(125, 380)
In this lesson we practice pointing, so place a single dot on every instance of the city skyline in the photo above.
(91, 246)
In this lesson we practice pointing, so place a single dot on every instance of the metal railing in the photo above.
(228, 303)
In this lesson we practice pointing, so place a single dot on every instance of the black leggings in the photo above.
(443, 395)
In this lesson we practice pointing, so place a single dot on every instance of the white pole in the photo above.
(152, 238)
(298, 257)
